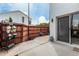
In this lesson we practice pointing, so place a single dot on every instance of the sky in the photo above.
(38, 11)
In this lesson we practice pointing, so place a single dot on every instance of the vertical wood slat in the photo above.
(0, 34)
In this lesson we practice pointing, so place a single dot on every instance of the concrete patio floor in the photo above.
(40, 46)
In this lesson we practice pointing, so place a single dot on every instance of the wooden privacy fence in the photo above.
(24, 32)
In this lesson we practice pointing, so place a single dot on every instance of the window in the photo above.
(29, 21)
(22, 19)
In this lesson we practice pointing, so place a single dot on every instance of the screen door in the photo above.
(63, 29)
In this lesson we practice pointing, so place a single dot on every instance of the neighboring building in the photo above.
(17, 17)
(64, 17)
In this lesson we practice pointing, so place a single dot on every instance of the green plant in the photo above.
(10, 19)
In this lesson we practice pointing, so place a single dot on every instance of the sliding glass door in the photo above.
(75, 29)
(63, 29)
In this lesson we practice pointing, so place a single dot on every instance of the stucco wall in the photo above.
(16, 16)
(57, 9)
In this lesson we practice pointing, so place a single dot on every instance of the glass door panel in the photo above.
(63, 29)
(75, 29)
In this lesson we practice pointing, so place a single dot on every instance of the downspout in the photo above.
(28, 21)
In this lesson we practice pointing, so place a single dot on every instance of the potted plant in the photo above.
(10, 21)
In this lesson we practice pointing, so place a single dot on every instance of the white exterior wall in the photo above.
(16, 16)
(57, 9)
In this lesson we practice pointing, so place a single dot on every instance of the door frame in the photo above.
(70, 23)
